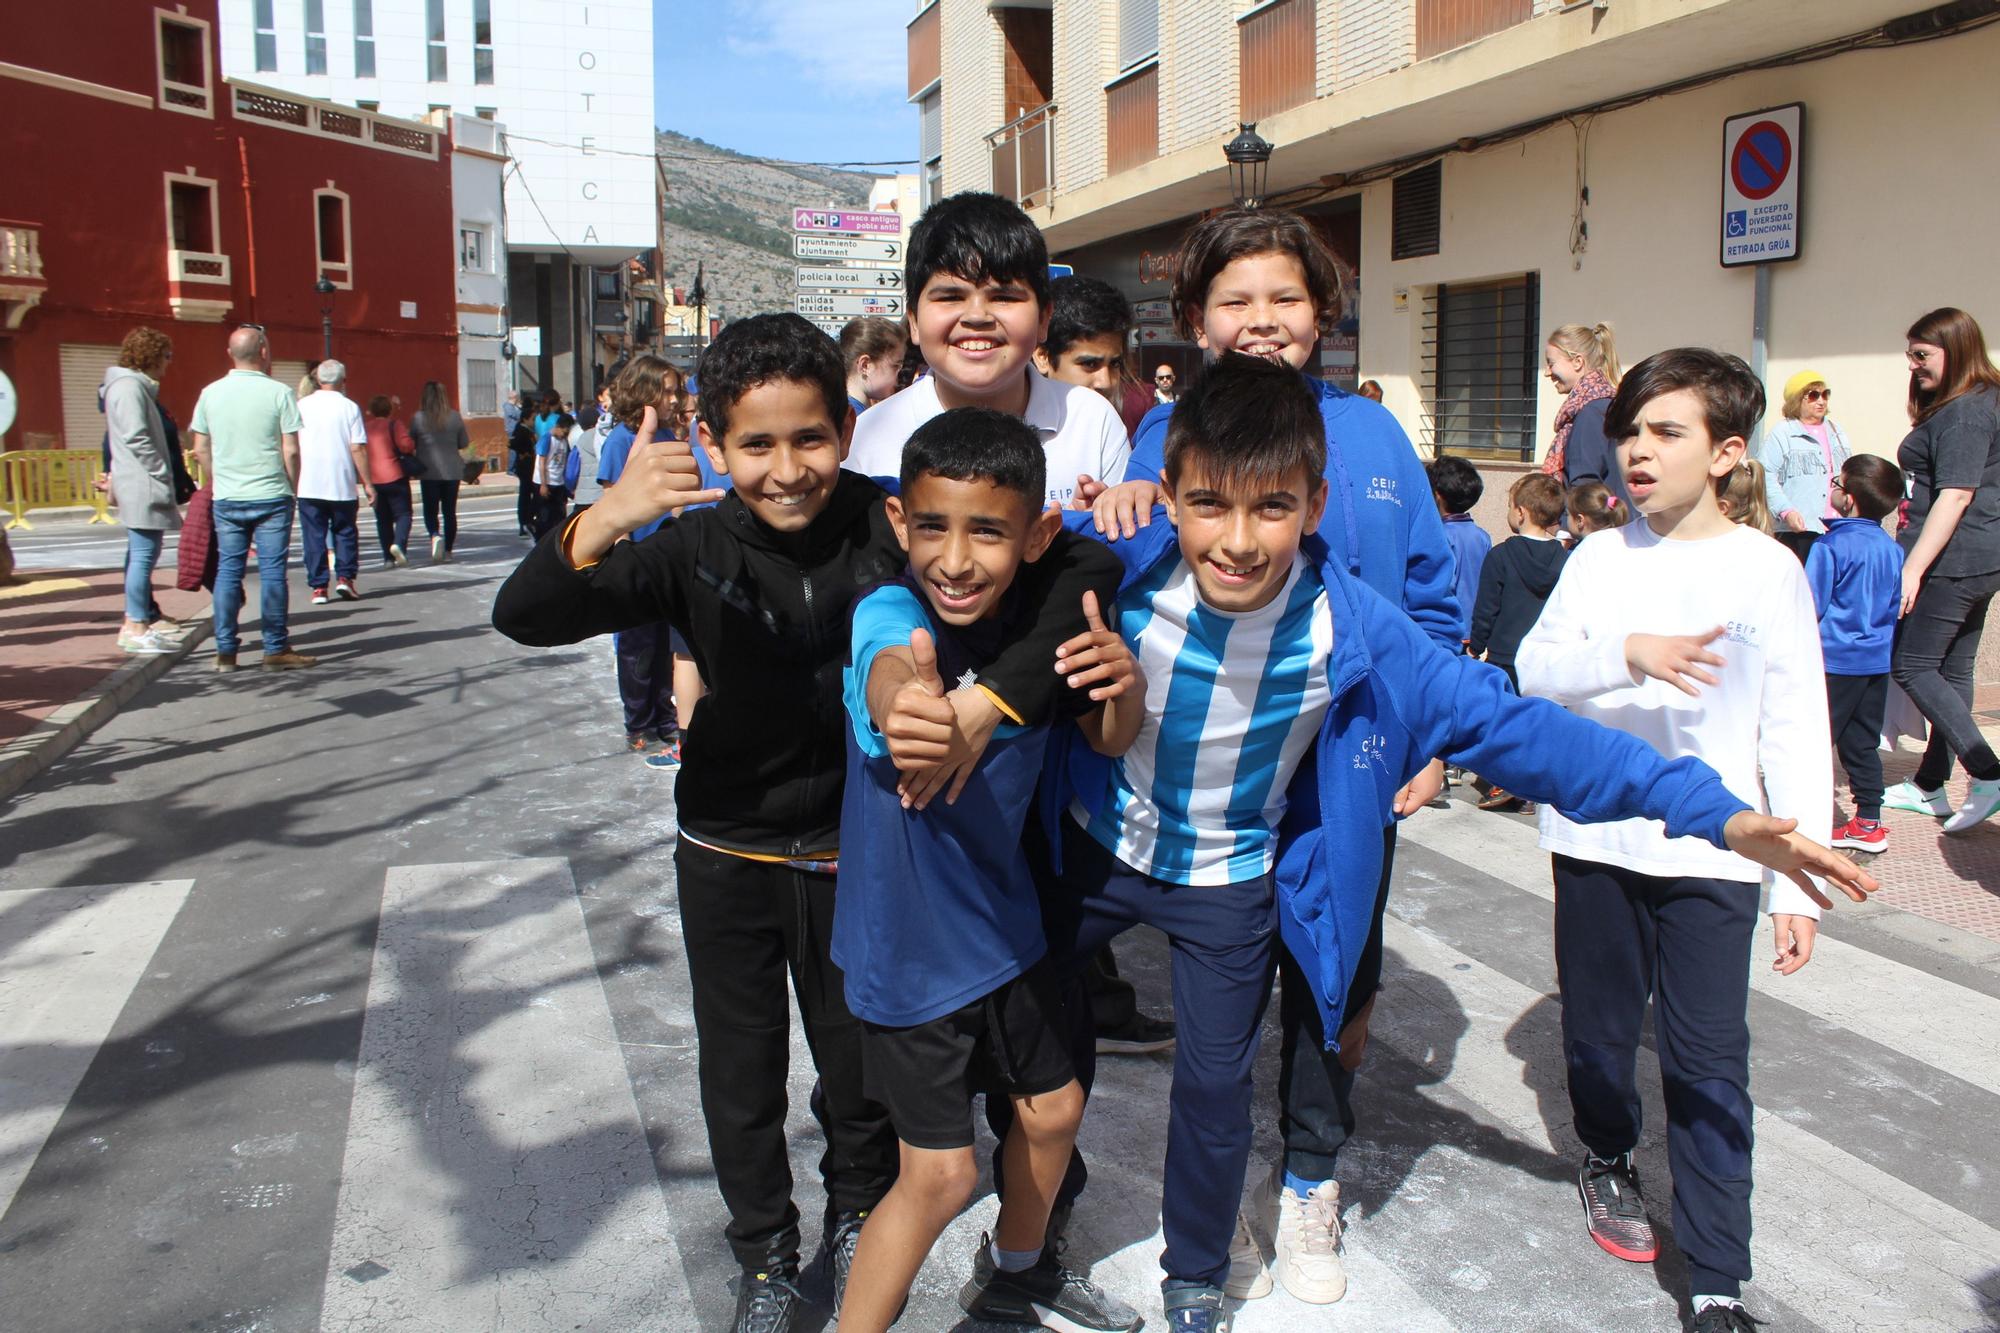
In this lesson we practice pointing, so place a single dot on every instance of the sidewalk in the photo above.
(63, 675)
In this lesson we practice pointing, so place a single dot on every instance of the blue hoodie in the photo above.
(1856, 573)
(1380, 518)
(1400, 697)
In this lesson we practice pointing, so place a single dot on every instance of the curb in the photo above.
(79, 515)
(27, 756)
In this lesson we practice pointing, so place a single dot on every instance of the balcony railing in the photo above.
(306, 116)
(1132, 119)
(1024, 157)
(21, 252)
(195, 266)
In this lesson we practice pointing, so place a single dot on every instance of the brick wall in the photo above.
(1086, 44)
(1198, 73)
(1372, 37)
(974, 91)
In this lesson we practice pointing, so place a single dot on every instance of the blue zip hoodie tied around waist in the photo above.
(1379, 514)
(1400, 697)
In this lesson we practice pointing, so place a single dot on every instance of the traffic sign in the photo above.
(830, 327)
(1153, 311)
(1760, 185)
(849, 303)
(860, 224)
(1061, 271)
(863, 248)
(852, 279)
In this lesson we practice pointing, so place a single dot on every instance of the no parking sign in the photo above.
(1760, 185)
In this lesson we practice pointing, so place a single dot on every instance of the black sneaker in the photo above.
(1141, 1036)
(767, 1299)
(1048, 1295)
(1196, 1310)
(1731, 1318)
(843, 1233)
(1614, 1210)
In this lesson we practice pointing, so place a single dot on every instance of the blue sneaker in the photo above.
(1196, 1310)
(668, 759)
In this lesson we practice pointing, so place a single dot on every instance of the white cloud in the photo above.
(845, 47)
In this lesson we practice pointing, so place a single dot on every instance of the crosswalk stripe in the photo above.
(1834, 1235)
(72, 957)
(1924, 1017)
(496, 1172)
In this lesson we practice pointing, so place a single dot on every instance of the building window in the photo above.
(364, 39)
(439, 71)
(930, 144)
(1275, 58)
(482, 41)
(1138, 31)
(607, 283)
(472, 249)
(486, 112)
(482, 388)
(333, 236)
(184, 77)
(191, 215)
(933, 182)
(1416, 204)
(315, 36)
(368, 106)
(1482, 350)
(266, 25)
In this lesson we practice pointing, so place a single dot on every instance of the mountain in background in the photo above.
(733, 213)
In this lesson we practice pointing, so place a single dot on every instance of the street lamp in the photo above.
(1249, 165)
(325, 289)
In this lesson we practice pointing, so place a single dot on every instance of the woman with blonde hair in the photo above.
(1741, 495)
(1582, 361)
(1802, 455)
(442, 443)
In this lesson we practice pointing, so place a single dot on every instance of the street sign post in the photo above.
(1761, 213)
(861, 249)
(848, 304)
(852, 279)
(857, 224)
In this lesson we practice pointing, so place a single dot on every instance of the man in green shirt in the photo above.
(246, 437)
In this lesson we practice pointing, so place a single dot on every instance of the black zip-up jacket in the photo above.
(1514, 584)
(765, 614)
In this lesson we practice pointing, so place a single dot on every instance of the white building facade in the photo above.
(571, 82)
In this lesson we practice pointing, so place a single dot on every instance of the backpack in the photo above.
(573, 469)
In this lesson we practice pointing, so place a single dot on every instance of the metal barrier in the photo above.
(51, 479)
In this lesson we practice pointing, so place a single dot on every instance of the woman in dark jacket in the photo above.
(1583, 363)
(441, 447)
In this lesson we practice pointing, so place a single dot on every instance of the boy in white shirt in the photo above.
(1735, 680)
(977, 276)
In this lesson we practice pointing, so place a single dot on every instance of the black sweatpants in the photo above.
(646, 680)
(1315, 1087)
(1854, 707)
(746, 925)
(1622, 939)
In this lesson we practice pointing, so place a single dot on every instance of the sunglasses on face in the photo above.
(1163, 379)
(1818, 395)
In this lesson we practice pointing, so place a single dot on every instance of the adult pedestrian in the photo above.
(1166, 384)
(441, 446)
(1951, 557)
(333, 481)
(510, 411)
(245, 433)
(1802, 455)
(392, 451)
(142, 479)
(1582, 361)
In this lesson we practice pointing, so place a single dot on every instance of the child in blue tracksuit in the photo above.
(1856, 573)
(1286, 705)
(1262, 283)
(1456, 486)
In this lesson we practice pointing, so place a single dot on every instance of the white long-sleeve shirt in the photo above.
(1766, 717)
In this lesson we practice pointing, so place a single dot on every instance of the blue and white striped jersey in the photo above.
(1232, 701)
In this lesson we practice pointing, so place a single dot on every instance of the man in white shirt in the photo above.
(333, 481)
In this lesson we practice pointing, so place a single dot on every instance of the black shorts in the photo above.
(1010, 1042)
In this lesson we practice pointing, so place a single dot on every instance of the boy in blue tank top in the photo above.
(1286, 705)
(938, 933)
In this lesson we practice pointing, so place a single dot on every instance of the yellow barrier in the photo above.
(52, 479)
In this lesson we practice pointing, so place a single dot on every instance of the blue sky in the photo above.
(808, 80)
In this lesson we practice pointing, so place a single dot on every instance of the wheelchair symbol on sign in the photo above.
(1736, 224)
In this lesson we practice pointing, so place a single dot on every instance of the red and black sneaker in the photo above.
(1614, 1210)
(1862, 835)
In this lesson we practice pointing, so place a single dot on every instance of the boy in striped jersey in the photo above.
(1286, 705)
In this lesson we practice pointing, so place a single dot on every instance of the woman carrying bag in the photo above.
(142, 481)
(442, 444)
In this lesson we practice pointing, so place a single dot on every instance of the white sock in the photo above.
(1013, 1261)
(1703, 1302)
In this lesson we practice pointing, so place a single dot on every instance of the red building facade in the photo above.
(140, 188)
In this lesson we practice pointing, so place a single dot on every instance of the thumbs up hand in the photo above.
(918, 726)
(660, 477)
(1097, 659)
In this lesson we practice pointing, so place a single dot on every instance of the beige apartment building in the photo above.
(1487, 170)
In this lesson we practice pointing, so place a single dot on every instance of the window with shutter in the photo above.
(1416, 203)
(1480, 367)
(930, 112)
(1138, 31)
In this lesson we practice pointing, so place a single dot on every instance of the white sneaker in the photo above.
(1980, 803)
(1308, 1261)
(1909, 796)
(1248, 1277)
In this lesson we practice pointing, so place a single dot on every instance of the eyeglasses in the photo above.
(258, 327)
(1163, 379)
(1835, 485)
(1921, 354)
(1815, 395)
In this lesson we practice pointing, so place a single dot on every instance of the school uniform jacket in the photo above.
(765, 614)
(1400, 697)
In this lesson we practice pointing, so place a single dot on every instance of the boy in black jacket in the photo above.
(1514, 583)
(760, 587)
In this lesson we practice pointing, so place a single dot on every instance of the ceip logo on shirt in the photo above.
(1383, 488)
(1373, 750)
